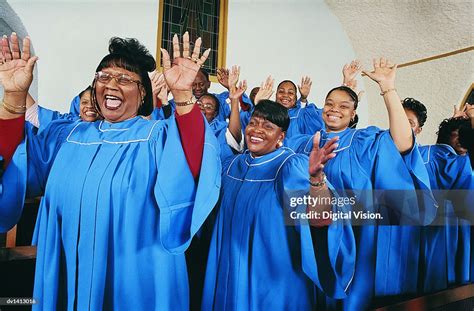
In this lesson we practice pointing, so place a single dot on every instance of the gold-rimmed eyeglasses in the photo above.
(122, 79)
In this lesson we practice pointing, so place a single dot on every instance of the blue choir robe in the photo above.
(158, 113)
(46, 116)
(303, 120)
(446, 245)
(75, 107)
(224, 106)
(116, 216)
(369, 166)
(219, 128)
(257, 261)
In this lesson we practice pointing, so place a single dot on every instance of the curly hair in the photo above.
(447, 126)
(418, 109)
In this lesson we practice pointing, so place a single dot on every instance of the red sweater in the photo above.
(11, 134)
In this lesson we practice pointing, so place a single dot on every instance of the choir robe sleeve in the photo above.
(247, 108)
(403, 178)
(327, 254)
(183, 202)
(300, 143)
(452, 172)
(224, 106)
(75, 106)
(28, 171)
(46, 116)
(310, 119)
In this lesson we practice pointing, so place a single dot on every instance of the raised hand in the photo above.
(350, 71)
(353, 85)
(163, 94)
(238, 90)
(384, 73)
(266, 90)
(180, 74)
(155, 76)
(16, 68)
(458, 113)
(223, 77)
(233, 76)
(305, 87)
(159, 87)
(320, 156)
(469, 111)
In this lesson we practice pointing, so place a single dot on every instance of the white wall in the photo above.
(287, 39)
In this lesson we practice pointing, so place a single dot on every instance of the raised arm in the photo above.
(235, 92)
(265, 91)
(305, 88)
(179, 77)
(223, 77)
(350, 71)
(384, 74)
(317, 180)
(16, 75)
(159, 88)
(180, 74)
(349, 74)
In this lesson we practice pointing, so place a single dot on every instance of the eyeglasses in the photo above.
(122, 79)
(207, 107)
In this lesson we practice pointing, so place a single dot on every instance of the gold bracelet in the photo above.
(13, 110)
(318, 184)
(190, 101)
(387, 91)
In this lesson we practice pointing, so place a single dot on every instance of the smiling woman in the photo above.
(111, 229)
(252, 272)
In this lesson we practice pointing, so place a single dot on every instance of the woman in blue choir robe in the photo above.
(368, 162)
(121, 203)
(445, 249)
(303, 120)
(40, 117)
(256, 260)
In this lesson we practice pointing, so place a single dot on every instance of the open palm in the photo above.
(180, 74)
(383, 73)
(16, 70)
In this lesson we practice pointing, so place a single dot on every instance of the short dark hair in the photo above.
(205, 73)
(284, 81)
(215, 99)
(349, 92)
(447, 126)
(131, 55)
(418, 109)
(88, 88)
(273, 112)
